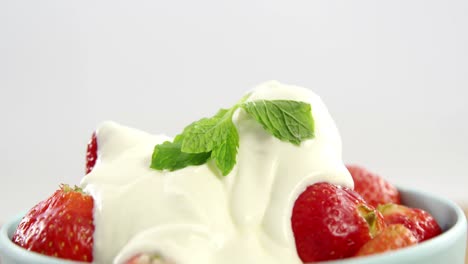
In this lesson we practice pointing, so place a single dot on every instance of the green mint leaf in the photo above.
(287, 120)
(216, 134)
(217, 138)
(168, 156)
(205, 134)
(224, 154)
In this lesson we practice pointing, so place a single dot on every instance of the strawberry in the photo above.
(421, 223)
(91, 153)
(332, 222)
(391, 238)
(147, 259)
(373, 188)
(60, 226)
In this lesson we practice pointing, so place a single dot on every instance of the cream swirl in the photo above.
(196, 216)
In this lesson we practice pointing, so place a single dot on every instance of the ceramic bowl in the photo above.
(449, 247)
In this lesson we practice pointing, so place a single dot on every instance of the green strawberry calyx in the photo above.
(371, 217)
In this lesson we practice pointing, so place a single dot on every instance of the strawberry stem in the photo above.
(371, 218)
(67, 188)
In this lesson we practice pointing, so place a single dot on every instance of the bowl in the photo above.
(449, 247)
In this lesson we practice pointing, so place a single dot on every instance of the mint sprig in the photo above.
(217, 138)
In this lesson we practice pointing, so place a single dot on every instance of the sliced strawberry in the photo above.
(61, 226)
(373, 188)
(391, 238)
(421, 223)
(91, 153)
(147, 259)
(332, 222)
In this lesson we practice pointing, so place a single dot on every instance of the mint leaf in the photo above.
(217, 138)
(204, 134)
(216, 134)
(214, 138)
(287, 120)
(168, 156)
(225, 153)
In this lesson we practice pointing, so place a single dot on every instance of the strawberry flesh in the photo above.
(91, 153)
(373, 188)
(391, 238)
(421, 223)
(147, 259)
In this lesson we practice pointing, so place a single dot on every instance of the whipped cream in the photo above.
(195, 215)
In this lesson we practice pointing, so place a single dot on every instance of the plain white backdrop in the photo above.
(394, 75)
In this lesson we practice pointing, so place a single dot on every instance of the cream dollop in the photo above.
(196, 216)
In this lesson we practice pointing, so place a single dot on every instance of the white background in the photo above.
(394, 75)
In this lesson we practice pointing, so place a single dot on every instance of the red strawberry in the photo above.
(332, 222)
(91, 153)
(373, 188)
(61, 226)
(421, 223)
(391, 238)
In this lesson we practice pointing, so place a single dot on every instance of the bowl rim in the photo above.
(7, 247)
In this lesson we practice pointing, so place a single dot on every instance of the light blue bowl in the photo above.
(447, 248)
